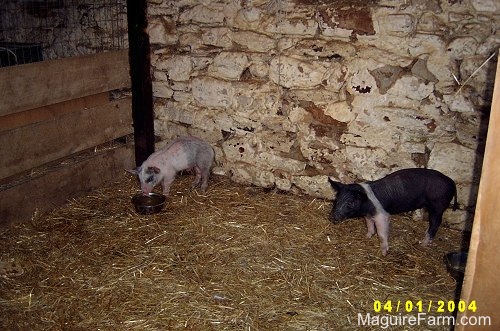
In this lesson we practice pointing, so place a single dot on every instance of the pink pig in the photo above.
(180, 154)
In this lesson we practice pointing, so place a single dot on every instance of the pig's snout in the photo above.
(146, 190)
(336, 218)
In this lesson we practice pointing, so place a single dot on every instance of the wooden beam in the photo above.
(33, 145)
(140, 73)
(44, 192)
(482, 280)
(39, 84)
(50, 112)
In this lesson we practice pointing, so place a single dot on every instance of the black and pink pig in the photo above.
(180, 154)
(402, 191)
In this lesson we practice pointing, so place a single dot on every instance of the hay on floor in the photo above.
(235, 258)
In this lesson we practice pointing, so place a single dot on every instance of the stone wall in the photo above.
(290, 92)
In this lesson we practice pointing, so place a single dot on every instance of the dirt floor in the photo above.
(235, 258)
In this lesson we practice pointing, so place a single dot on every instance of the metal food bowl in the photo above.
(148, 204)
(455, 263)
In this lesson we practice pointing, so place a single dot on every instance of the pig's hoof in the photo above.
(384, 250)
(369, 235)
(426, 241)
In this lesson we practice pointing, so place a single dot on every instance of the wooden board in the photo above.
(50, 112)
(482, 274)
(43, 193)
(33, 145)
(39, 84)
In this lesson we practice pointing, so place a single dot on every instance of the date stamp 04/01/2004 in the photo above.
(432, 313)
(408, 306)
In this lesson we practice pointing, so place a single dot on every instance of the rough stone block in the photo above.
(211, 92)
(162, 90)
(248, 18)
(178, 68)
(254, 42)
(346, 22)
(411, 87)
(458, 220)
(458, 103)
(174, 112)
(292, 73)
(283, 184)
(240, 149)
(203, 14)
(462, 47)
(323, 151)
(316, 186)
(400, 25)
(290, 26)
(220, 37)
(249, 174)
(340, 111)
(229, 65)
(274, 161)
(455, 161)
(486, 5)
(162, 32)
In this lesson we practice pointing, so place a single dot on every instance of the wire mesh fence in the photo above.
(37, 30)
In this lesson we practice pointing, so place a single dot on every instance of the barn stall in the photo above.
(255, 254)
(67, 116)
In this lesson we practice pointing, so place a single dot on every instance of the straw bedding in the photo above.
(235, 258)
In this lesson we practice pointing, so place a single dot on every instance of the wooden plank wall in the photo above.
(34, 85)
(51, 110)
(45, 108)
(39, 143)
(482, 274)
(42, 193)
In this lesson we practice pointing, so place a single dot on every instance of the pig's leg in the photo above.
(166, 183)
(370, 225)
(382, 224)
(435, 220)
(198, 176)
(205, 173)
(427, 239)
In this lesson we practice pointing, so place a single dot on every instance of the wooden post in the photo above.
(140, 74)
(482, 274)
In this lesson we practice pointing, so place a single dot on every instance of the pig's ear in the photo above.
(337, 186)
(156, 170)
(133, 171)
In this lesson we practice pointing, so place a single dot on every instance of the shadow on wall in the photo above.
(483, 133)
(484, 110)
